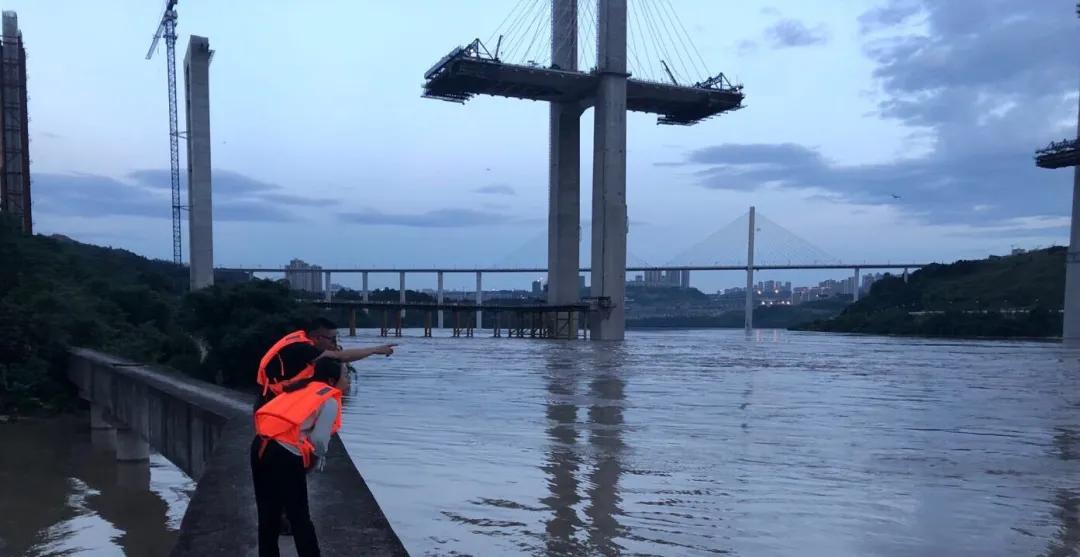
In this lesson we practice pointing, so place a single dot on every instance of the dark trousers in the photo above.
(281, 483)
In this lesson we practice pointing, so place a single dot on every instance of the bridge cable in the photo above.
(689, 39)
(669, 45)
(588, 54)
(636, 39)
(685, 54)
(527, 26)
(494, 35)
(517, 33)
(653, 34)
(511, 31)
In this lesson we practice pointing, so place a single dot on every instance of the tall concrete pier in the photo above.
(200, 206)
(14, 139)
(749, 317)
(609, 223)
(564, 174)
(1071, 330)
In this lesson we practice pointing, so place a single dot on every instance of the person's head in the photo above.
(332, 372)
(324, 332)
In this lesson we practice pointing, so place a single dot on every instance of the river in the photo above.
(673, 443)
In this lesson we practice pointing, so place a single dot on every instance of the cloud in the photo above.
(496, 189)
(938, 189)
(989, 76)
(892, 14)
(987, 82)
(232, 186)
(440, 218)
(146, 194)
(746, 47)
(788, 33)
(89, 195)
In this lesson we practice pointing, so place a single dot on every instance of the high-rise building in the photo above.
(537, 287)
(304, 277)
(685, 279)
(581, 282)
(14, 139)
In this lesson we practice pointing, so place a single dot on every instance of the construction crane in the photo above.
(167, 28)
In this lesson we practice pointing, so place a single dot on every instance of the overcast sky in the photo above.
(324, 150)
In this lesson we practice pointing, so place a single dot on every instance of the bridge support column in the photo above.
(133, 474)
(99, 417)
(439, 297)
(479, 301)
(609, 221)
(200, 209)
(326, 286)
(564, 166)
(401, 292)
(1071, 330)
(364, 295)
(130, 446)
(749, 319)
(857, 288)
(133, 427)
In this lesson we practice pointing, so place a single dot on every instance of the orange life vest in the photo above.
(277, 385)
(281, 419)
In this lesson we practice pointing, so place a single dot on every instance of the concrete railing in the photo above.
(206, 431)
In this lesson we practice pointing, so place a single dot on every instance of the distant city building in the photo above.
(537, 287)
(304, 277)
(581, 282)
(869, 280)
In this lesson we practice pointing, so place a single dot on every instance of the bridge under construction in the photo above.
(482, 69)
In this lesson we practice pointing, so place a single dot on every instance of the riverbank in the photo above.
(56, 293)
(1015, 296)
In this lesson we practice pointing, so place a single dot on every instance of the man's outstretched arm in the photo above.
(353, 354)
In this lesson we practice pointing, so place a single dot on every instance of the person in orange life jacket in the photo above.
(292, 434)
(292, 357)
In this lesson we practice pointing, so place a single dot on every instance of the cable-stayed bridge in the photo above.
(749, 243)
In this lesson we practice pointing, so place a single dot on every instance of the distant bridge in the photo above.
(749, 243)
(484, 270)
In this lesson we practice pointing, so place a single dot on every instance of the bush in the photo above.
(237, 323)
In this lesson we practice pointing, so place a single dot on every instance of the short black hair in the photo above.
(321, 323)
(327, 370)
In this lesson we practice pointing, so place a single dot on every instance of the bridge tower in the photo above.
(1060, 155)
(200, 205)
(609, 224)
(475, 70)
(564, 165)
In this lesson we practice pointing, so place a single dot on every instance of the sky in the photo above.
(875, 130)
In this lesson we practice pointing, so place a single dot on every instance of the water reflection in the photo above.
(563, 458)
(1067, 500)
(566, 455)
(705, 442)
(606, 395)
(65, 493)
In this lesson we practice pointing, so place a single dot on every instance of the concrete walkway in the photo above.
(206, 430)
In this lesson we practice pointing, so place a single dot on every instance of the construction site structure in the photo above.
(14, 141)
